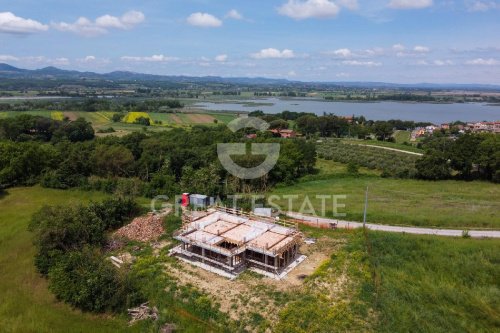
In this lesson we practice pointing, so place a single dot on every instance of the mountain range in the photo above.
(10, 72)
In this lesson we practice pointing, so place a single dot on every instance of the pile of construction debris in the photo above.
(142, 312)
(143, 229)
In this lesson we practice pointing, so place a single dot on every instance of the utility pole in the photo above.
(366, 207)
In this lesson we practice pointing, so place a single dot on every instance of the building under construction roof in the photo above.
(231, 243)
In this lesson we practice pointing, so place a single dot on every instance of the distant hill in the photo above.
(8, 71)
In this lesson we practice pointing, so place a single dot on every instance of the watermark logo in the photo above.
(270, 150)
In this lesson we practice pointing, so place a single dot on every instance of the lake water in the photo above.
(435, 113)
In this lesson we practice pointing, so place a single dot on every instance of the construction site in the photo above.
(227, 242)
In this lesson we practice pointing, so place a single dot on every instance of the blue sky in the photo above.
(404, 41)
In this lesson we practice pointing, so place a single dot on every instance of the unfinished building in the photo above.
(231, 243)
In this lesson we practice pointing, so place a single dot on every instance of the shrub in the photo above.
(87, 281)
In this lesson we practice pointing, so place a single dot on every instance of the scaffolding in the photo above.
(232, 241)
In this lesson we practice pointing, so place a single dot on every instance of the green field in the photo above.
(432, 284)
(383, 282)
(394, 145)
(103, 120)
(26, 305)
(376, 283)
(401, 201)
(402, 136)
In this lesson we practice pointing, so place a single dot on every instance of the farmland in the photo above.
(390, 162)
(159, 121)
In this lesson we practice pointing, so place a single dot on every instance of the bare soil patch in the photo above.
(252, 293)
(71, 115)
(200, 118)
(176, 119)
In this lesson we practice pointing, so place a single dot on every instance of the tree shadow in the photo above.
(3, 193)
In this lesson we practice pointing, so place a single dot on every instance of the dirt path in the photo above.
(394, 149)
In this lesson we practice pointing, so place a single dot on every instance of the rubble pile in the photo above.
(142, 312)
(142, 229)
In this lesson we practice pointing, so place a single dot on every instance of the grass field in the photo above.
(26, 305)
(402, 136)
(401, 201)
(432, 284)
(385, 144)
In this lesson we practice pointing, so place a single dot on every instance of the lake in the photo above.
(435, 113)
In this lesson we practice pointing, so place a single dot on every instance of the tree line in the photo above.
(95, 105)
(469, 157)
(140, 163)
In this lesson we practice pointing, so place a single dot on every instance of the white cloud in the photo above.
(153, 58)
(398, 47)
(421, 49)
(300, 10)
(361, 63)
(60, 61)
(12, 24)
(234, 14)
(204, 20)
(344, 53)
(221, 58)
(349, 4)
(342, 75)
(7, 58)
(443, 62)
(291, 73)
(85, 27)
(417, 51)
(483, 62)
(410, 4)
(89, 58)
(482, 6)
(271, 53)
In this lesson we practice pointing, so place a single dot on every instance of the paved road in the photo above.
(394, 149)
(324, 222)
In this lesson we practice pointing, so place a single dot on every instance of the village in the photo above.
(470, 127)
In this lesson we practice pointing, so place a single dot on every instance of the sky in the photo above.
(400, 41)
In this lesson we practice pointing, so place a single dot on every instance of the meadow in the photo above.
(448, 204)
(432, 284)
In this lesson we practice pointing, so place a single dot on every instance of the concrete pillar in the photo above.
(203, 254)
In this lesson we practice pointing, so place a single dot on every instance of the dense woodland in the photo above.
(64, 154)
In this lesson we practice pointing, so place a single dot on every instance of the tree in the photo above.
(278, 124)
(115, 160)
(382, 129)
(86, 280)
(308, 124)
(117, 117)
(78, 130)
(143, 121)
(433, 166)
(464, 154)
